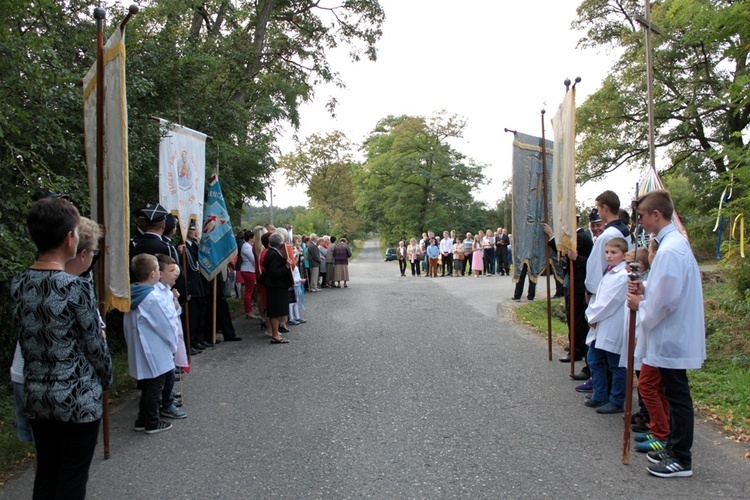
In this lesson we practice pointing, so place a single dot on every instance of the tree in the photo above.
(325, 165)
(701, 82)
(413, 180)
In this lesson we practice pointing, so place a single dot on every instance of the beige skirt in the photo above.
(341, 272)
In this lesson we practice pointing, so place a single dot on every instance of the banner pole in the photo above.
(546, 246)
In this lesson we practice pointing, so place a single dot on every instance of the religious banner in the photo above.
(529, 240)
(218, 246)
(563, 176)
(115, 189)
(182, 172)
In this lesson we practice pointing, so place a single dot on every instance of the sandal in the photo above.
(280, 340)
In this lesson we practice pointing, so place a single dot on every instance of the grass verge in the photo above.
(721, 389)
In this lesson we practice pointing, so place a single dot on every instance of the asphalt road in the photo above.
(397, 387)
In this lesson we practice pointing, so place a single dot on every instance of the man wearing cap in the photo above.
(151, 219)
(596, 226)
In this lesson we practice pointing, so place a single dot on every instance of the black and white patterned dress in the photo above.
(67, 363)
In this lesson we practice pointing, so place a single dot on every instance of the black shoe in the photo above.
(194, 351)
(203, 344)
(566, 359)
(580, 376)
(233, 339)
(283, 329)
(198, 346)
(208, 342)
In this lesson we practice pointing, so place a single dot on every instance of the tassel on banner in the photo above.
(741, 219)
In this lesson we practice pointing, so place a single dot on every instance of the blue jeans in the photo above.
(22, 423)
(598, 360)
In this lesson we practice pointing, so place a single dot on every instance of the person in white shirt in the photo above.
(607, 331)
(672, 336)
(446, 252)
(608, 205)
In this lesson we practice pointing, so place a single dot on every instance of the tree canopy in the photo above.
(701, 86)
(413, 180)
(236, 70)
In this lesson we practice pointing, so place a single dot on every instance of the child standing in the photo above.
(433, 252)
(152, 341)
(169, 271)
(606, 335)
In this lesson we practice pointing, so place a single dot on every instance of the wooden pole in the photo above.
(634, 275)
(99, 15)
(546, 246)
(572, 315)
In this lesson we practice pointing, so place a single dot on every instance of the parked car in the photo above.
(390, 254)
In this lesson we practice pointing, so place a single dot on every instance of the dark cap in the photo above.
(170, 224)
(594, 216)
(152, 213)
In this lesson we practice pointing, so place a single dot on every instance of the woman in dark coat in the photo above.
(277, 286)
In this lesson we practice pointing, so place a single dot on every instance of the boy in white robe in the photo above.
(673, 337)
(607, 331)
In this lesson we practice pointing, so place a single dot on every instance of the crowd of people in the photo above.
(483, 254)
(62, 365)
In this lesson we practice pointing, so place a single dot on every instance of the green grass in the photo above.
(534, 314)
(721, 389)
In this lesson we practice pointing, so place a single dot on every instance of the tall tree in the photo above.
(702, 86)
(325, 165)
(413, 180)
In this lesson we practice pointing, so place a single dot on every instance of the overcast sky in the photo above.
(494, 63)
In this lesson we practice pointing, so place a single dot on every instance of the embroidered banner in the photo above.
(182, 172)
(218, 246)
(563, 179)
(115, 189)
(529, 240)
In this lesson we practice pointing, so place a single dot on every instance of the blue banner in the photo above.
(218, 246)
(529, 240)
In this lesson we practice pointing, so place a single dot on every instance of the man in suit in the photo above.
(579, 258)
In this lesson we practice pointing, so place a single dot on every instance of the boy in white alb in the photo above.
(607, 331)
(673, 337)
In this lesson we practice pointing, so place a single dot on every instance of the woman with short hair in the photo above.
(67, 365)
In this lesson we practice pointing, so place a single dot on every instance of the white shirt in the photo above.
(597, 261)
(248, 258)
(151, 338)
(605, 310)
(673, 333)
(446, 245)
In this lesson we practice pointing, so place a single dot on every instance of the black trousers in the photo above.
(447, 264)
(63, 455)
(579, 322)
(197, 310)
(148, 406)
(519, 286)
(223, 320)
(489, 261)
(402, 266)
(416, 266)
(681, 416)
(167, 393)
(502, 260)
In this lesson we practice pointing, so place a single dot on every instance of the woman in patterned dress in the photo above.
(67, 364)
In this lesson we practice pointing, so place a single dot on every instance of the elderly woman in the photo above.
(341, 254)
(67, 364)
(277, 285)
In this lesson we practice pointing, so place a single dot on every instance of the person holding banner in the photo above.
(673, 337)
(608, 204)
